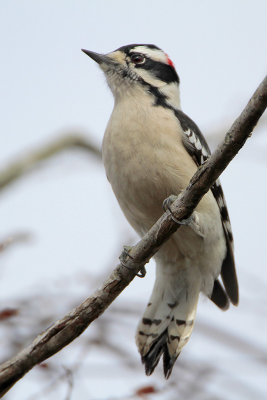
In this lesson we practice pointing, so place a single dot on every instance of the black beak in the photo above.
(99, 58)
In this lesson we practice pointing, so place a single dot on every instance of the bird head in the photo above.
(138, 67)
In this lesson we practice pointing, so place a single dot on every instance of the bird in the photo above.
(150, 150)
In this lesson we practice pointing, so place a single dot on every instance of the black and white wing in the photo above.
(198, 148)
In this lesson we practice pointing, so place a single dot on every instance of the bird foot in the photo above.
(192, 221)
(123, 258)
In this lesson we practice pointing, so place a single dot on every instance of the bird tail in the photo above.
(168, 321)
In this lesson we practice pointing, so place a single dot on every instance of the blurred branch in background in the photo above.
(26, 163)
(191, 377)
(72, 325)
(10, 240)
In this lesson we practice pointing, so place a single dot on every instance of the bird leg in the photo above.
(192, 222)
(123, 259)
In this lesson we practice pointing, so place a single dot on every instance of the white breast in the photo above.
(144, 158)
(145, 162)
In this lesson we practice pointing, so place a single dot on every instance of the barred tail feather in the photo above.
(167, 324)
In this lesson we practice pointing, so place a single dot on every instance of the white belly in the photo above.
(145, 165)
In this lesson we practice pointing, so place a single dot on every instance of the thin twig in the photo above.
(73, 324)
(19, 167)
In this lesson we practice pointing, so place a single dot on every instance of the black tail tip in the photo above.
(152, 357)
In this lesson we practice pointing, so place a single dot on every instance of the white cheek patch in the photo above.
(171, 91)
(149, 78)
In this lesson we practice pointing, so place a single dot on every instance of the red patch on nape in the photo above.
(169, 61)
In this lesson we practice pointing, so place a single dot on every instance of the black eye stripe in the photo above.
(160, 70)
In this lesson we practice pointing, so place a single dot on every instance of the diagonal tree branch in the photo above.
(73, 324)
(19, 167)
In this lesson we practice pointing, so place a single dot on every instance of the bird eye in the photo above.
(138, 58)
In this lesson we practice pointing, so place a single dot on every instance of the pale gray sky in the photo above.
(48, 85)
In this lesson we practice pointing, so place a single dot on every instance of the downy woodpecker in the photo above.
(151, 149)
